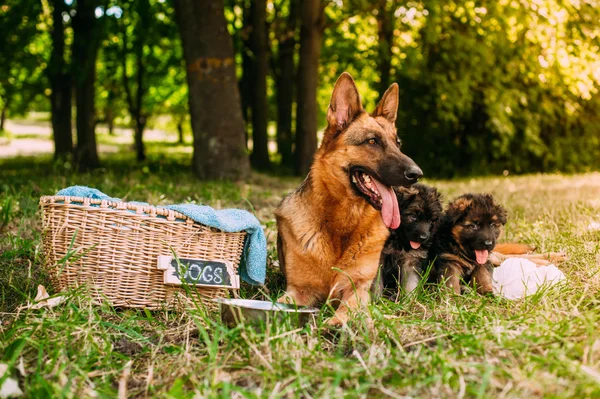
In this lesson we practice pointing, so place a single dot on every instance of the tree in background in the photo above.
(384, 10)
(485, 87)
(312, 25)
(88, 30)
(60, 77)
(214, 102)
(149, 54)
(284, 29)
(242, 47)
(136, 23)
(111, 102)
(258, 44)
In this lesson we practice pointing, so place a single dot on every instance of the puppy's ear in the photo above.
(501, 212)
(405, 195)
(435, 198)
(458, 208)
(496, 208)
(345, 103)
(388, 106)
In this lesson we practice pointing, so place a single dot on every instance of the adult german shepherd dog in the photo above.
(331, 230)
(405, 254)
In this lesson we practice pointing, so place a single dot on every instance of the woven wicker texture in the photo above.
(115, 251)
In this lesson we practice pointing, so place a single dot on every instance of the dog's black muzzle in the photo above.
(400, 170)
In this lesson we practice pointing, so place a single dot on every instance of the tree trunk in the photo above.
(385, 30)
(110, 119)
(87, 31)
(3, 115)
(259, 47)
(135, 104)
(180, 131)
(110, 104)
(311, 38)
(245, 85)
(60, 84)
(285, 88)
(214, 102)
(138, 130)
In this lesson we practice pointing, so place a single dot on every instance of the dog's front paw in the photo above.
(285, 298)
(337, 321)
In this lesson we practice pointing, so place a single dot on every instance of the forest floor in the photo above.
(426, 345)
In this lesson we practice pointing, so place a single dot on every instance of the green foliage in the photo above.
(142, 66)
(501, 85)
(486, 86)
(24, 54)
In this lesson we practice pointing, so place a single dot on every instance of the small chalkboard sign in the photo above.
(198, 272)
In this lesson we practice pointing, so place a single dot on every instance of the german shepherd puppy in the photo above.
(331, 230)
(404, 256)
(465, 238)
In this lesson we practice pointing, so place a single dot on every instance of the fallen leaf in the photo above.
(43, 300)
(21, 367)
(41, 294)
(10, 386)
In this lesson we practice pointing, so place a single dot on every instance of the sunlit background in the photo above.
(486, 87)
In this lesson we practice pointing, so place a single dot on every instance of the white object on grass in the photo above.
(593, 226)
(10, 386)
(519, 277)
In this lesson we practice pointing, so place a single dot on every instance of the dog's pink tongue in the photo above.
(389, 209)
(481, 256)
(415, 245)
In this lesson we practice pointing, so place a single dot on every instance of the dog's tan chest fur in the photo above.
(330, 251)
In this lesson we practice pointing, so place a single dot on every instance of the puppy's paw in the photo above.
(557, 257)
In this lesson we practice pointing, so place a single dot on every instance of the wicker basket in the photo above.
(113, 249)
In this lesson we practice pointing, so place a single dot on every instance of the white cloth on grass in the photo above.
(519, 277)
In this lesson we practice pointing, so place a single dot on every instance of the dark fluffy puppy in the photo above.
(405, 253)
(467, 234)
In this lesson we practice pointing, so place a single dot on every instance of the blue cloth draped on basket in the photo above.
(254, 256)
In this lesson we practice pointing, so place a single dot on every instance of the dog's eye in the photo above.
(372, 141)
(398, 142)
(473, 226)
(494, 225)
(412, 217)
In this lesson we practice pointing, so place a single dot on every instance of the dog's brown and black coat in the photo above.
(405, 254)
(472, 222)
(332, 229)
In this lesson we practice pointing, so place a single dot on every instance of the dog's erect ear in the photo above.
(345, 102)
(388, 106)
(456, 209)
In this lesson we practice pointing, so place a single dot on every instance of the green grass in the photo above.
(426, 345)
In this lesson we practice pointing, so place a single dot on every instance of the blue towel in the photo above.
(254, 257)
